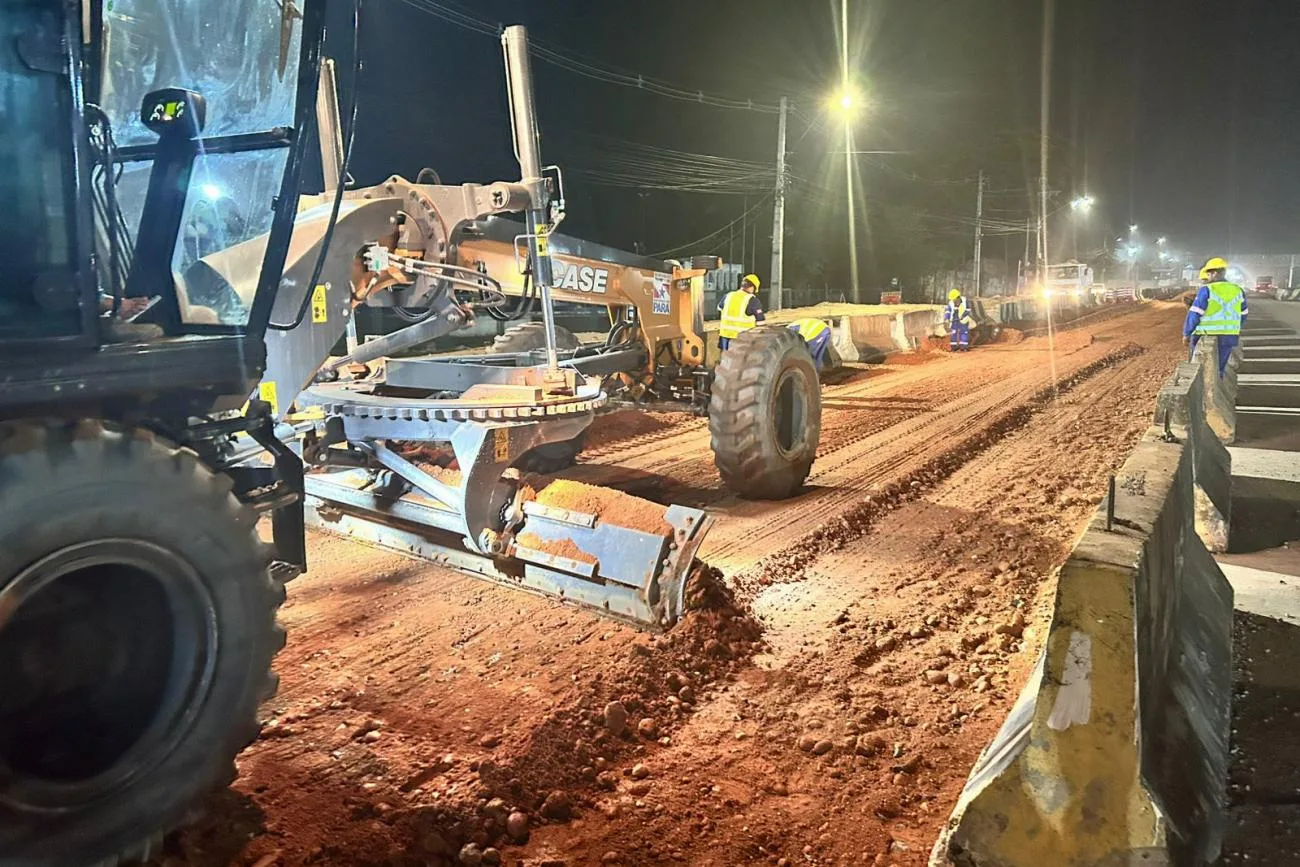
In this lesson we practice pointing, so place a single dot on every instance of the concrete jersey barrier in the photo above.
(1117, 750)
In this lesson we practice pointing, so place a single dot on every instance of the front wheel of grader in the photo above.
(137, 627)
(765, 414)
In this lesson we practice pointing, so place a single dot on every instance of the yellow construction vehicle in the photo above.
(442, 255)
(160, 154)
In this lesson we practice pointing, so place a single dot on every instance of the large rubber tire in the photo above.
(140, 646)
(531, 336)
(554, 457)
(765, 414)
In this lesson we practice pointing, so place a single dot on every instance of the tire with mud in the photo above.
(553, 457)
(137, 627)
(765, 414)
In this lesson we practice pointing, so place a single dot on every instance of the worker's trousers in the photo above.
(959, 335)
(1227, 343)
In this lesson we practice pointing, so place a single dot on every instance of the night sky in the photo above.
(1182, 116)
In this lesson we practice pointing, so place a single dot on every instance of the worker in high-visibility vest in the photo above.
(816, 334)
(741, 310)
(957, 316)
(1218, 310)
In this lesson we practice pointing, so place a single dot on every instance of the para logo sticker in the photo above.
(661, 299)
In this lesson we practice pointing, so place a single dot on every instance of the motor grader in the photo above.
(161, 154)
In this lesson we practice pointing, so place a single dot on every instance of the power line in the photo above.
(565, 59)
(709, 237)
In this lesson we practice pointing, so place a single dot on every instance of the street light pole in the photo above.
(778, 216)
(846, 103)
(979, 235)
(856, 292)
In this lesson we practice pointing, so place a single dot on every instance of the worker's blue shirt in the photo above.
(1200, 305)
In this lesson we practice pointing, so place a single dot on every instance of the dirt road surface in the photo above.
(853, 651)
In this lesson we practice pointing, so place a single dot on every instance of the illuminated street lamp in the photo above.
(1083, 204)
(847, 103)
(1162, 240)
(1132, 230)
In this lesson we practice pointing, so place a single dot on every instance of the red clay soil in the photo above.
(626, 424)
(611, 506)
(822, 705)
(556, 548)
(437, 461)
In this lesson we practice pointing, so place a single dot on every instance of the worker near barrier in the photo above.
(816, 333)
(1219, 310)
(957, 316)
(741, 310)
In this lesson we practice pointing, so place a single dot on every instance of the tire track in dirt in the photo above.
(448, 666)
(789, 563)
(890, 664)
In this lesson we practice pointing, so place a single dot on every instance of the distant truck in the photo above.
(1264, 285)
(1071, 279)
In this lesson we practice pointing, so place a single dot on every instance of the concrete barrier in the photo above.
(873, 336)
(1180, 409)
(1220, 391)
(1117, 751)
(859, 332)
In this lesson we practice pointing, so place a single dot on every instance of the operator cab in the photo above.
(144, 136)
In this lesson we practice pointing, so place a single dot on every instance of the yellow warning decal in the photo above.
(543, 246)
(266, 392)
(319, 309)
(501, 445)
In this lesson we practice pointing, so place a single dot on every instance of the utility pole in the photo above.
(744, 235)
(1029, 230)
(979, 233)
(1042, 220)
(778, 216)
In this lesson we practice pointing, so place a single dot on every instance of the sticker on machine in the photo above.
(662, 298)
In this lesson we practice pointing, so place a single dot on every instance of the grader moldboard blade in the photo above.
(620, 556)
(626, 557)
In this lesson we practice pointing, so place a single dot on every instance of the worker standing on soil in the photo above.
(741, 310)
(817, 334)
(959, 320)
(1219, 310)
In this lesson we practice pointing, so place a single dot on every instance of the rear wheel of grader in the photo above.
(531, 336)
(765, 414)
(137, 627)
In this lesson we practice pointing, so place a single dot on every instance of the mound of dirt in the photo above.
(558, 548)
(630, 706)
(607, 504)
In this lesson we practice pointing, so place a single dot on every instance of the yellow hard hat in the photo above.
(1205, 275)
(751, 278)
(954, 294)
(1215, 264)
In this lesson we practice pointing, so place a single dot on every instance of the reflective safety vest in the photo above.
(1223, 312)
(809, 329)
(958, 311)
(734, 318)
